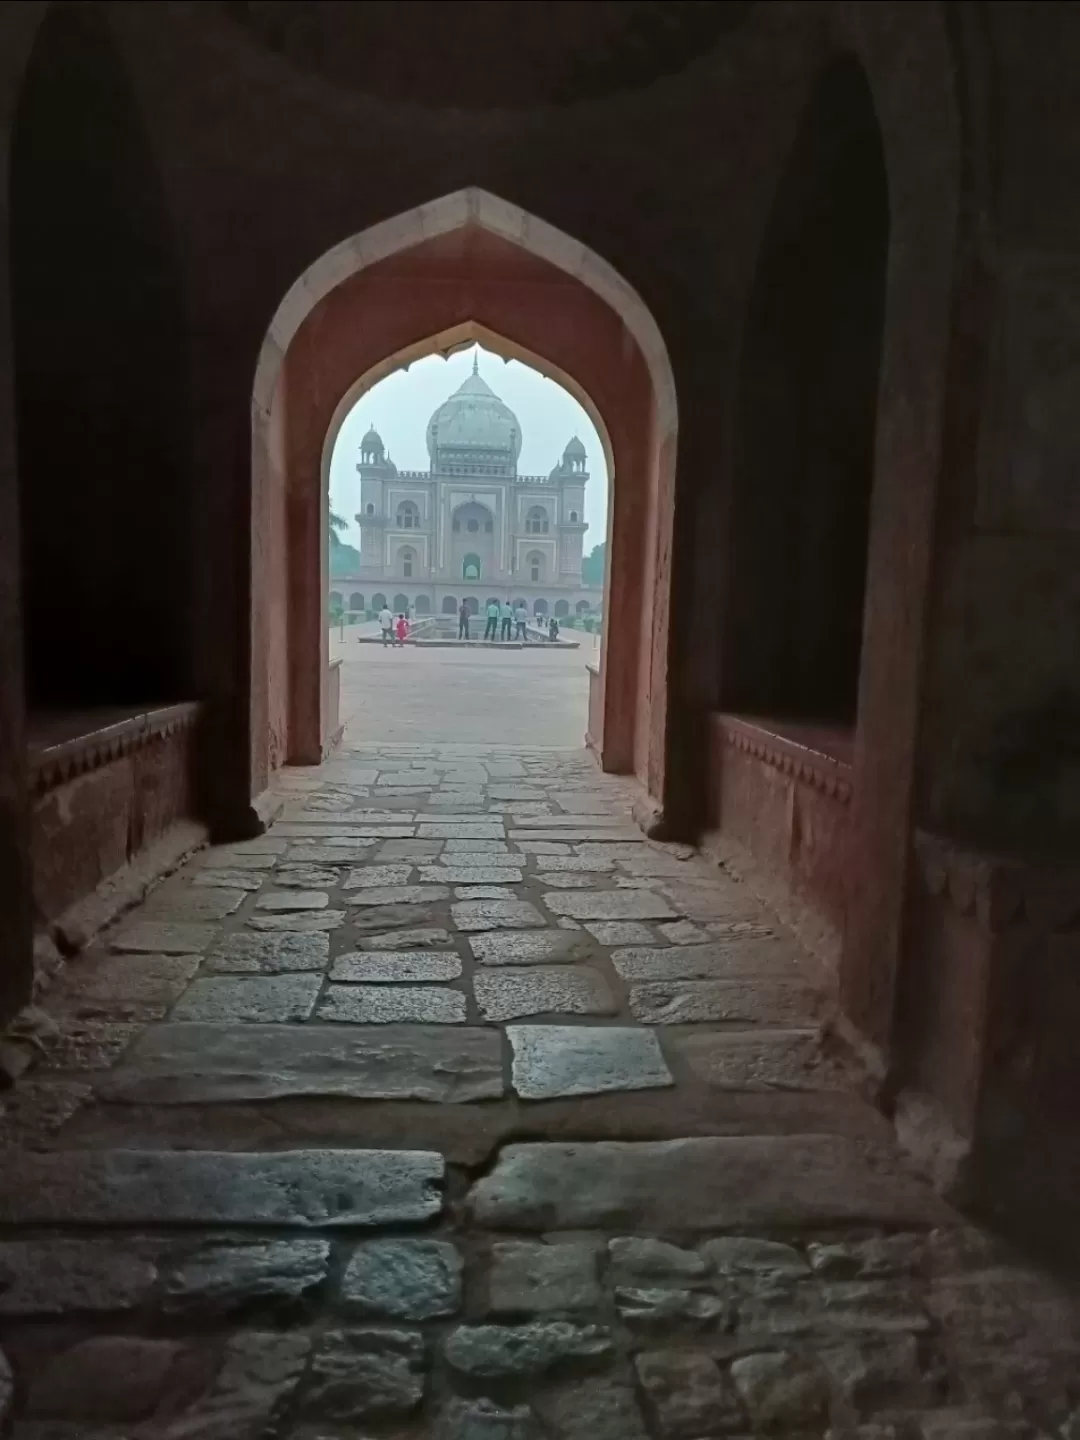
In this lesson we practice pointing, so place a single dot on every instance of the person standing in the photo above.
(521, 616)
(491, 629)
(463, 621)
(386, 625)
(507, 618)
(553, 630)
(402, 630)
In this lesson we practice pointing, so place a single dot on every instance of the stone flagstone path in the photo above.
(453, 1108)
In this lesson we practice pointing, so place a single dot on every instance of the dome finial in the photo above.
(476, 363)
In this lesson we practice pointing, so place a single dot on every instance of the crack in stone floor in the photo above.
(453, 1107)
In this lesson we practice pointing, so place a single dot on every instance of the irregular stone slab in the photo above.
(170, 903)
(688, 1002)
(482, 892)
(490, 1352)
(688, 1393)
(761, 1060)
(610, 905)
(228, 860)
(389, 967)
(117, 1378)
(258, 845)
(781, 1389)
(643, 1261)
(619, 932)
(306, 877)
(682, 932)
(238, 879)
(301, 1188)
(258, 1374)
(293, 900)
(409, 849)
(555, 881)
(87, 1045)
(393, 1005)
(875, 1376)
(543, 947)
(161, 937)
(349, 852)
(403, 1280)
(121, 987)
(344, 831)
(472, 874)
(762, 1259)
(496, 915)
(604, 824)
(482, 859)
(300, 922)
(646, 863)
(858, 1309)
(224, 1064)
(556, 1060)
(378, 919)
(460, 830)
(597, 1408)
(533, 1278)
(543, 990)
(711, 1183)
(666, 1308)
(219, 1278)
(371, 875)
(399, 895)
(578, 836)
(880, 1257)
(711, 961)
(242, 953)
(486, 848)
(67, 1277)
(574, 864)
(265, 999)
(543, 848)
(484, 1420)
(422, 938)
(365, 1375)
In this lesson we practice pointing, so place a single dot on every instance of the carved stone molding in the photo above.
(1000, 890)
(98, 741)
(823, 772)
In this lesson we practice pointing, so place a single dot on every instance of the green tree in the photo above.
(337, 522)
(592, 567)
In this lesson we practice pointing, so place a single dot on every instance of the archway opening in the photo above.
(488, 271)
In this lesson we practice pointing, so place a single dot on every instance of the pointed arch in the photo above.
(337, 331)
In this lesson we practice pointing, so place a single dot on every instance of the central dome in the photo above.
(474, 419)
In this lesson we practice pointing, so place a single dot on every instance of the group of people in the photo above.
(394, 632)
(513, 622)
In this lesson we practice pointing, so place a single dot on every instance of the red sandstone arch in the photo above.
(466, 265)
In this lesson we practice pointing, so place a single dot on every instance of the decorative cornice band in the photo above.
(821, 772)
(53, 765)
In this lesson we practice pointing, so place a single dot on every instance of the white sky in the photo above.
(401, 405)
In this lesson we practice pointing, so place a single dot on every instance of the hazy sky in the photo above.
(401, 405)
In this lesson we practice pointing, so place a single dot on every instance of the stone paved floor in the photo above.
(453, 1108)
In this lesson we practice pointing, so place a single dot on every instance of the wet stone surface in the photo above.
(708, 1233)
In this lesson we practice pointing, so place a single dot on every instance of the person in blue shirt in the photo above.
(507, 619)
(491, 629)
(521, 618)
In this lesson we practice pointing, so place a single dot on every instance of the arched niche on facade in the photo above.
(491, 273)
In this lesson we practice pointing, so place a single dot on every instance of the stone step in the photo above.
(303, 1189)
(188, 1064)
(690, 1185)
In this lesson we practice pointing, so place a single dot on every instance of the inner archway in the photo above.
(486, 268)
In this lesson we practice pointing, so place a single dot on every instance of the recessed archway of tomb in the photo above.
(468, 267)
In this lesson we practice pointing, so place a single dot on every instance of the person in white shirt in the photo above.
(521, 616)
(491, 629)
(386, 625)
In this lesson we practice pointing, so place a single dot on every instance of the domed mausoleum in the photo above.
(471, 528)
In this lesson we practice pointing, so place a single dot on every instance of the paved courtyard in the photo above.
(536, 696)
(453, 1108)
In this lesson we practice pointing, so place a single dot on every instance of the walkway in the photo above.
(454, 1108)
(537, 696)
